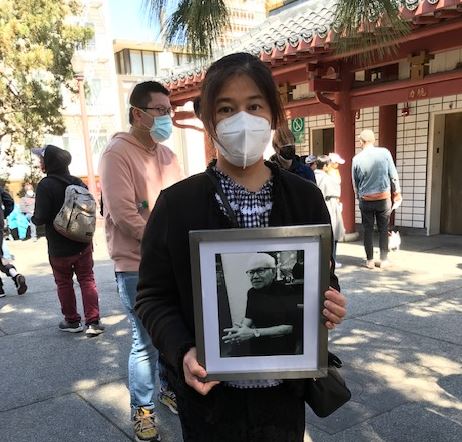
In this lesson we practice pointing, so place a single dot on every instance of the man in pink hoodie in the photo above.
(134, 168)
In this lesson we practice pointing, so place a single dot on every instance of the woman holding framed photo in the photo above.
(239, 106)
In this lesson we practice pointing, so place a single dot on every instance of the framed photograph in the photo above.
(258, 297)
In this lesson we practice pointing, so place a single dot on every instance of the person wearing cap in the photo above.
(134, 168)
(335, 161)
(285, 157)
(6, 207)
(272, 321)
(66, 256)
(376, 185)
(330, 188)
(310, 161)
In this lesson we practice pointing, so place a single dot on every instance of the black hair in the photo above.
(141, 95)
(197, 107)
(323, 160)
(240, 63)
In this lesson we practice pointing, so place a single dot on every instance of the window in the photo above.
(149, 63)
(91, 44)
(178, 59)
(136, 62)
(98, 141)
(92, 91)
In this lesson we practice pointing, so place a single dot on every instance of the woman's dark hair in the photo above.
(197, 106)
(240, 63)
(141, 95)
(323, 160)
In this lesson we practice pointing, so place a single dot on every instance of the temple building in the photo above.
(410, 97)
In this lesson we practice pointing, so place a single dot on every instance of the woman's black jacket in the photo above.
(165, 300)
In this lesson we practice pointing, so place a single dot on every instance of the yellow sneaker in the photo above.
(144, 426)
(168, 398)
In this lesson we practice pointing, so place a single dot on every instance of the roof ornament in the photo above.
(412, 5)
(281, 44)
(307, 35)
(267, 49)
(293, 40)
(321, 31)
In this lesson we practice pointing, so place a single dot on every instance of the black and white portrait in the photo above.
(257, 301)
(260, 300)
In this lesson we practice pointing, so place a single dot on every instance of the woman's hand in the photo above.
(238, 333)
(193, 373)
(335, 308)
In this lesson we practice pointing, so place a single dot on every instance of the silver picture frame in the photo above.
(228, 288)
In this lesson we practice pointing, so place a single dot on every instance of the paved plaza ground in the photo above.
(401, 344)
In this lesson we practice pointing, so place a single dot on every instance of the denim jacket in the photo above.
(373, 171)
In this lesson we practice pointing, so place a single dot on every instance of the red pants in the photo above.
(64, 268)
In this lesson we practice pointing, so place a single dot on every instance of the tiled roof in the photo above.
(305, 31)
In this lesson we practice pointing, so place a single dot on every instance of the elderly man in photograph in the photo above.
(272, 320)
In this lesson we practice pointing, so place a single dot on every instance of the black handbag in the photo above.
(325, 395)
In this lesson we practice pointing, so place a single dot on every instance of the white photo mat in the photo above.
(313, 358)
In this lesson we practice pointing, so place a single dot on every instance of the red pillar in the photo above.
(388, 119)
(344, 145)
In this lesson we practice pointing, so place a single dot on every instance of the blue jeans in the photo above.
(143, 357)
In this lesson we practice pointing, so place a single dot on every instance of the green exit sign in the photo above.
(297, 126)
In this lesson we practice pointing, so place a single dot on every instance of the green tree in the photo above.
(196, 24)
(37, 41)
(199, 23)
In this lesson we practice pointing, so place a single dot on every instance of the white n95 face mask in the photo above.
(242, 138)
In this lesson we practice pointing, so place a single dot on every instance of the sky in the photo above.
(129, 22)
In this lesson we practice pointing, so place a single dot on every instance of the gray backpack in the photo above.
(76, 219)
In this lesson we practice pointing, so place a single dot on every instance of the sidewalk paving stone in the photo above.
(437, 317)
(56, 363)
(401, 347)
(65, 418)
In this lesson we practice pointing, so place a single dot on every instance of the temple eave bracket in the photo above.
(323, 99)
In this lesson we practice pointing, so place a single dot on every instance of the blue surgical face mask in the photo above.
(161, 128)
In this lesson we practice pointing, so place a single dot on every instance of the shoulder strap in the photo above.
(223, 197)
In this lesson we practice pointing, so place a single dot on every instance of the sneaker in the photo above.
(71, 327)
(2, 292)
(144, 425)
(168, 398)
(370, 264)
(20, 283)
(94, 329)
(384, 264)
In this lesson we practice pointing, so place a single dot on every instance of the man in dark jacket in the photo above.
(285, 157)
(65, 255)
(6, 207)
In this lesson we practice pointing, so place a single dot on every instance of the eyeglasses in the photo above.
(160, 110)
(260, 271)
